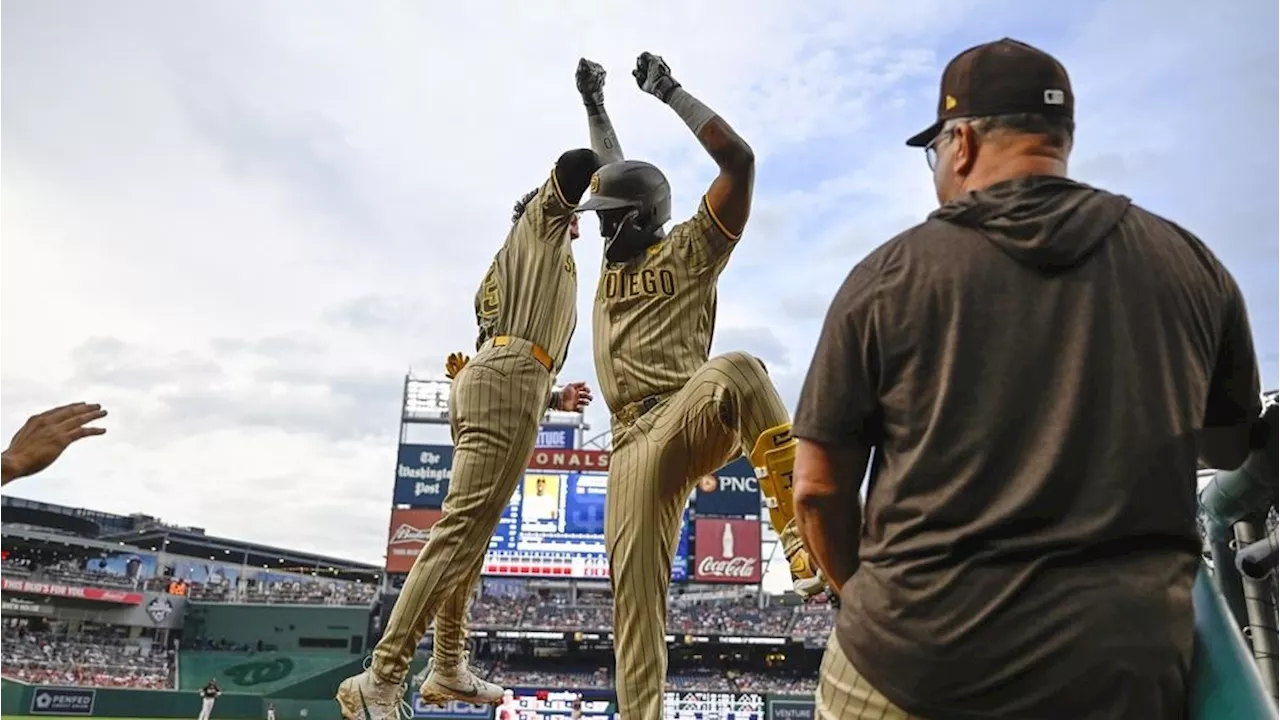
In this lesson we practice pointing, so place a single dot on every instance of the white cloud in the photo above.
(239, 229)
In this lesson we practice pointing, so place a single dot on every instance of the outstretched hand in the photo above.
(43, 438)
(653, 75)
(590, 80)
(574, 397)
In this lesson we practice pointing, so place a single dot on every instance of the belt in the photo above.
(542, 356)
(632, 412)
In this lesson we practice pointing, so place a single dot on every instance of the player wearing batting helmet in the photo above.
(677, 413)
(526, 310)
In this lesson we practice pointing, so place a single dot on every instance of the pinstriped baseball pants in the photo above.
(843, 694)
(495, 406)
(714, 418)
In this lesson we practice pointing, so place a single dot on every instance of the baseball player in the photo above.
(208, 695)
(507, 709)
(677, 414)
(526, 312)
(271, 711)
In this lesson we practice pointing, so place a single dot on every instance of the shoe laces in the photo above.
(403, 709)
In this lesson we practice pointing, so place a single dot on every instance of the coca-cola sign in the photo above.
(409, 531)
(727, 551)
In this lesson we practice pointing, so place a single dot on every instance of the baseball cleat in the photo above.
(445, 684)
(368, 697)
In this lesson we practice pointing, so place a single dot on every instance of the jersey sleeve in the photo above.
(703, 240)
(548, 214)
(840, 397)
(1235, 395)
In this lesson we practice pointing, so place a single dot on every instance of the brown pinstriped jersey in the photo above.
(654, 315)
(531, 288)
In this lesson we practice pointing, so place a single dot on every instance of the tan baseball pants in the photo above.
(496, 404)
(843, 694)
(717, 415)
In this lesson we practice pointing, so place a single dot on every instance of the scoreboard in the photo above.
(696, 705)
(553, 526)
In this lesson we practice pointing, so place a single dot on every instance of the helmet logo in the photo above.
(595, 183)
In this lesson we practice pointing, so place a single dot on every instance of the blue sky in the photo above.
(239, 229)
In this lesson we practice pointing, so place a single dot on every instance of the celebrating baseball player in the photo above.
(676, 413)
(526, 311)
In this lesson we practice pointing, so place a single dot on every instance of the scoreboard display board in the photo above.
(553, 526)
(695, 705)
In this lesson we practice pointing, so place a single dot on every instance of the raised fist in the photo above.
(654, 76)
(590, 80)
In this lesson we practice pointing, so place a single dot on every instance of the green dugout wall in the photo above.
(285, 628)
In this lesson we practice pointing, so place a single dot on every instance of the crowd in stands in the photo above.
(48, 659)
(69, 572)
(291, 592)
(678, 679)
(302, 591)
(742, 617)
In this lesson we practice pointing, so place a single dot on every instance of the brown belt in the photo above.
(542, 356)
(632, 412)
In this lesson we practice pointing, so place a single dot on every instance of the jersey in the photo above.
(654, 315)
(531, 288)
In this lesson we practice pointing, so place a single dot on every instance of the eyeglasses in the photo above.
(931, 150)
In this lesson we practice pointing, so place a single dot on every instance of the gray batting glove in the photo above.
(653, 75)
(590, 80)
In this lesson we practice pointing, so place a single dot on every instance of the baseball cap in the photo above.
(999, 78)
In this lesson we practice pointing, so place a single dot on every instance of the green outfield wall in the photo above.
(267, 673)
(283, 628)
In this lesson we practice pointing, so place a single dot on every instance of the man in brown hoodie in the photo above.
(1036, 367)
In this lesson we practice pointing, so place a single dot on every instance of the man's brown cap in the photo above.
(1000, 78)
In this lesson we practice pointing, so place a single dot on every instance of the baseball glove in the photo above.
(454, 364)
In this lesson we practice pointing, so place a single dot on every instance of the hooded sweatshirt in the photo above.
(1029, 364)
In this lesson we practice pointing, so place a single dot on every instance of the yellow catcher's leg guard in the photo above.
(774, 458)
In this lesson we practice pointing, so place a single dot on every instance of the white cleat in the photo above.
(368, 697)
(443, 685)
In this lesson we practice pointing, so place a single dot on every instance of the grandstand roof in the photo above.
(198, 544)
(48, 523)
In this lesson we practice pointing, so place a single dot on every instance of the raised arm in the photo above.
(590, 81)
(729, 197)
(547, 211)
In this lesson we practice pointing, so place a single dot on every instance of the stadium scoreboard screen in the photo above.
(694, 705)
(553, 526)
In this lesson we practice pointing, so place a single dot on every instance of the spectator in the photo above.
(43, 437)
(1033, 365)
(48, 659)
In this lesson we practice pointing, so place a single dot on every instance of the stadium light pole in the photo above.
(426, 402)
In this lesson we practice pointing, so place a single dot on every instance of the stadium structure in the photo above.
(127, 616)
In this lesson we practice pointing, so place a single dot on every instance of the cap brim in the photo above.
(603, 202)
(922, 139)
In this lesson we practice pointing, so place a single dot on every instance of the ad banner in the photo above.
(28, 587)
(791, 707)
(570, 460)
(62, 701)
(423, 471)
(409, 532)
(561, 437)
(727, 551)
(731, 491)
(422, 475)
